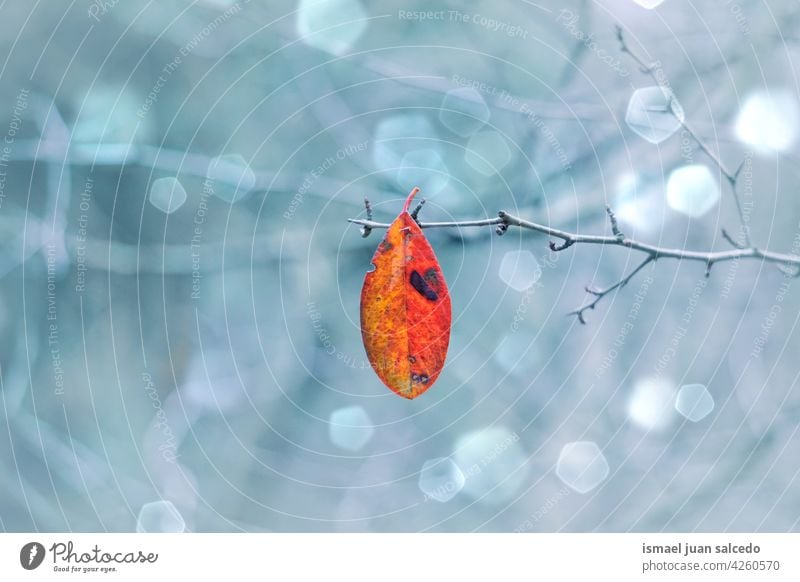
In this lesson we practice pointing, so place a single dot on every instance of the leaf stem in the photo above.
(407, 205)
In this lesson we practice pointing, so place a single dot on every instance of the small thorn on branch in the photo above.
(614, 224)
(726, 235)
(366, 230)
(417, 208)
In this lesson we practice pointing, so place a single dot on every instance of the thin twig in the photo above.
(647, 69)
(732, 177)
(730, 240)
(600, 293)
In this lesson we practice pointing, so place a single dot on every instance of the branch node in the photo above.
(737, 172)
(555, 247)
(671, 106)
(623, 47)
(366, 230)
(502, 227)
(579, 313)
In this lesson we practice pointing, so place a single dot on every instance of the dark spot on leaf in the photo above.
(419, 378)
(386, 246)
(422, 287)
(431, 276)
(412, 359)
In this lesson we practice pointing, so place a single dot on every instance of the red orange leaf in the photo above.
(405, 309)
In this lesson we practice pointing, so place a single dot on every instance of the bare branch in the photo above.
(787, 262)
(600, 293)
(507, 220)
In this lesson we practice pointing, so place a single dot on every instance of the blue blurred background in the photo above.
(180, 285)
